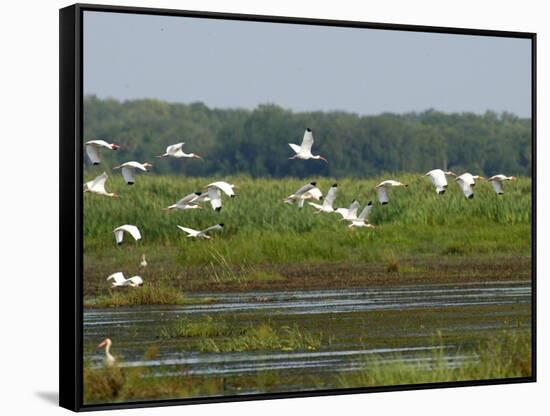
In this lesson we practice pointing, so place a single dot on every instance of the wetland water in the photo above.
(403, 323)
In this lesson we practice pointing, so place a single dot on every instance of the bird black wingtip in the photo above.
(370, 203)
(384, 203)
(198, 193)
(335, 185)
(218, 209)
(308, 130)
(471, 196)
(313, 183)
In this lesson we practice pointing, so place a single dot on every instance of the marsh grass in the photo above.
(210, 335)
(508, 355)
(148, 294)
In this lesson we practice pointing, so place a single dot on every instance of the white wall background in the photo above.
(29, 205)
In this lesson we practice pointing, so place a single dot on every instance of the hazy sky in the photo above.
(243, 64)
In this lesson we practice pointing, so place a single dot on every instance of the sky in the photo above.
(228, 64)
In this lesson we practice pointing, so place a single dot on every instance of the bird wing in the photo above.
(212, 228)
(466, 188)
(186, 200)
(438, 178)
(314, 193)
(365, 213)
(331, 196)
(304, 189)
(98, 184)
(342, 211)
(224, 186)
(382, 195)
(189, 231)
(215, 197)
(134, 281)
(497, 185)
(132, 230)
(318, 206)
(118, 278)
(93, 154)
(307, 141)
(352, 211)
(174, 148)
(119, 235)
(128, 174)
(301, 202)
(295, 147)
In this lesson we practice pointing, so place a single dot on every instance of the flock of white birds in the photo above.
(215, 191)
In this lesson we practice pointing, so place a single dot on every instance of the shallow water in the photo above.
(389, 323)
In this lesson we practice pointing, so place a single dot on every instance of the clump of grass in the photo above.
(149, 294)
(393, 267)
(103, 383)
(152, 352)
(505, 356)
(185, 328)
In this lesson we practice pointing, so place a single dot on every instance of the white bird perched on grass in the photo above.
(439, 180)
(143, 262)
(382, 190)
(97, 186)
(128, 169)
(466, 181)
(215, 190)
(304, 150)
(309, 191)
(202, 233)
(190, 201)
(130, 229)
(119, 280)
(327, 202)
(175, 150)
(497, 182)
(362, 219)
(93, 146)
(109, 360)
(349, 213)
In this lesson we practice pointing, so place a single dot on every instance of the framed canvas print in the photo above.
(256, 207)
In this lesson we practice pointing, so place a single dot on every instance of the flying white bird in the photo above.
(362, 219)
(466, 181)
(327, 202)
(97, 186)
(349, 213)
(497, 182)
(309, 191)
(215, 190)
(382, 190)
(109, 359)
(176, 151)
(130, 229)
(143, 262)
(119, 280)
(304, 150)
(202, 233)
(128, 169)
(439, 181)
(190, 201)
(93, 146)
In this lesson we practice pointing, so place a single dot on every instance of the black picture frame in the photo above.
(71, 213)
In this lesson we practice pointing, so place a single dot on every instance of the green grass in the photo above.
(262, 235)
(506, 356)
(219, 336)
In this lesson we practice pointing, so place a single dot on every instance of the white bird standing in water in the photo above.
(215, 190)
(309, 191)
(349, 213)
(119, 280)
(130, 229)
(176, 151)
(466, 181)
(190, 201)
(439, 180)
(362, 219)
(382, 190)
(93, 146)
(201, 233)
(129, 168)
(109, 359)
(143, 262)
(304, 150)
(497, 182)
(97, 186)
(327, 202)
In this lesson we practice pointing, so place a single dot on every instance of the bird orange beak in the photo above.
(197, 156)
(322, 158)
(102, 344)
(115, 146)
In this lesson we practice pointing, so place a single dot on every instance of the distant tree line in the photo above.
(254, 142)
